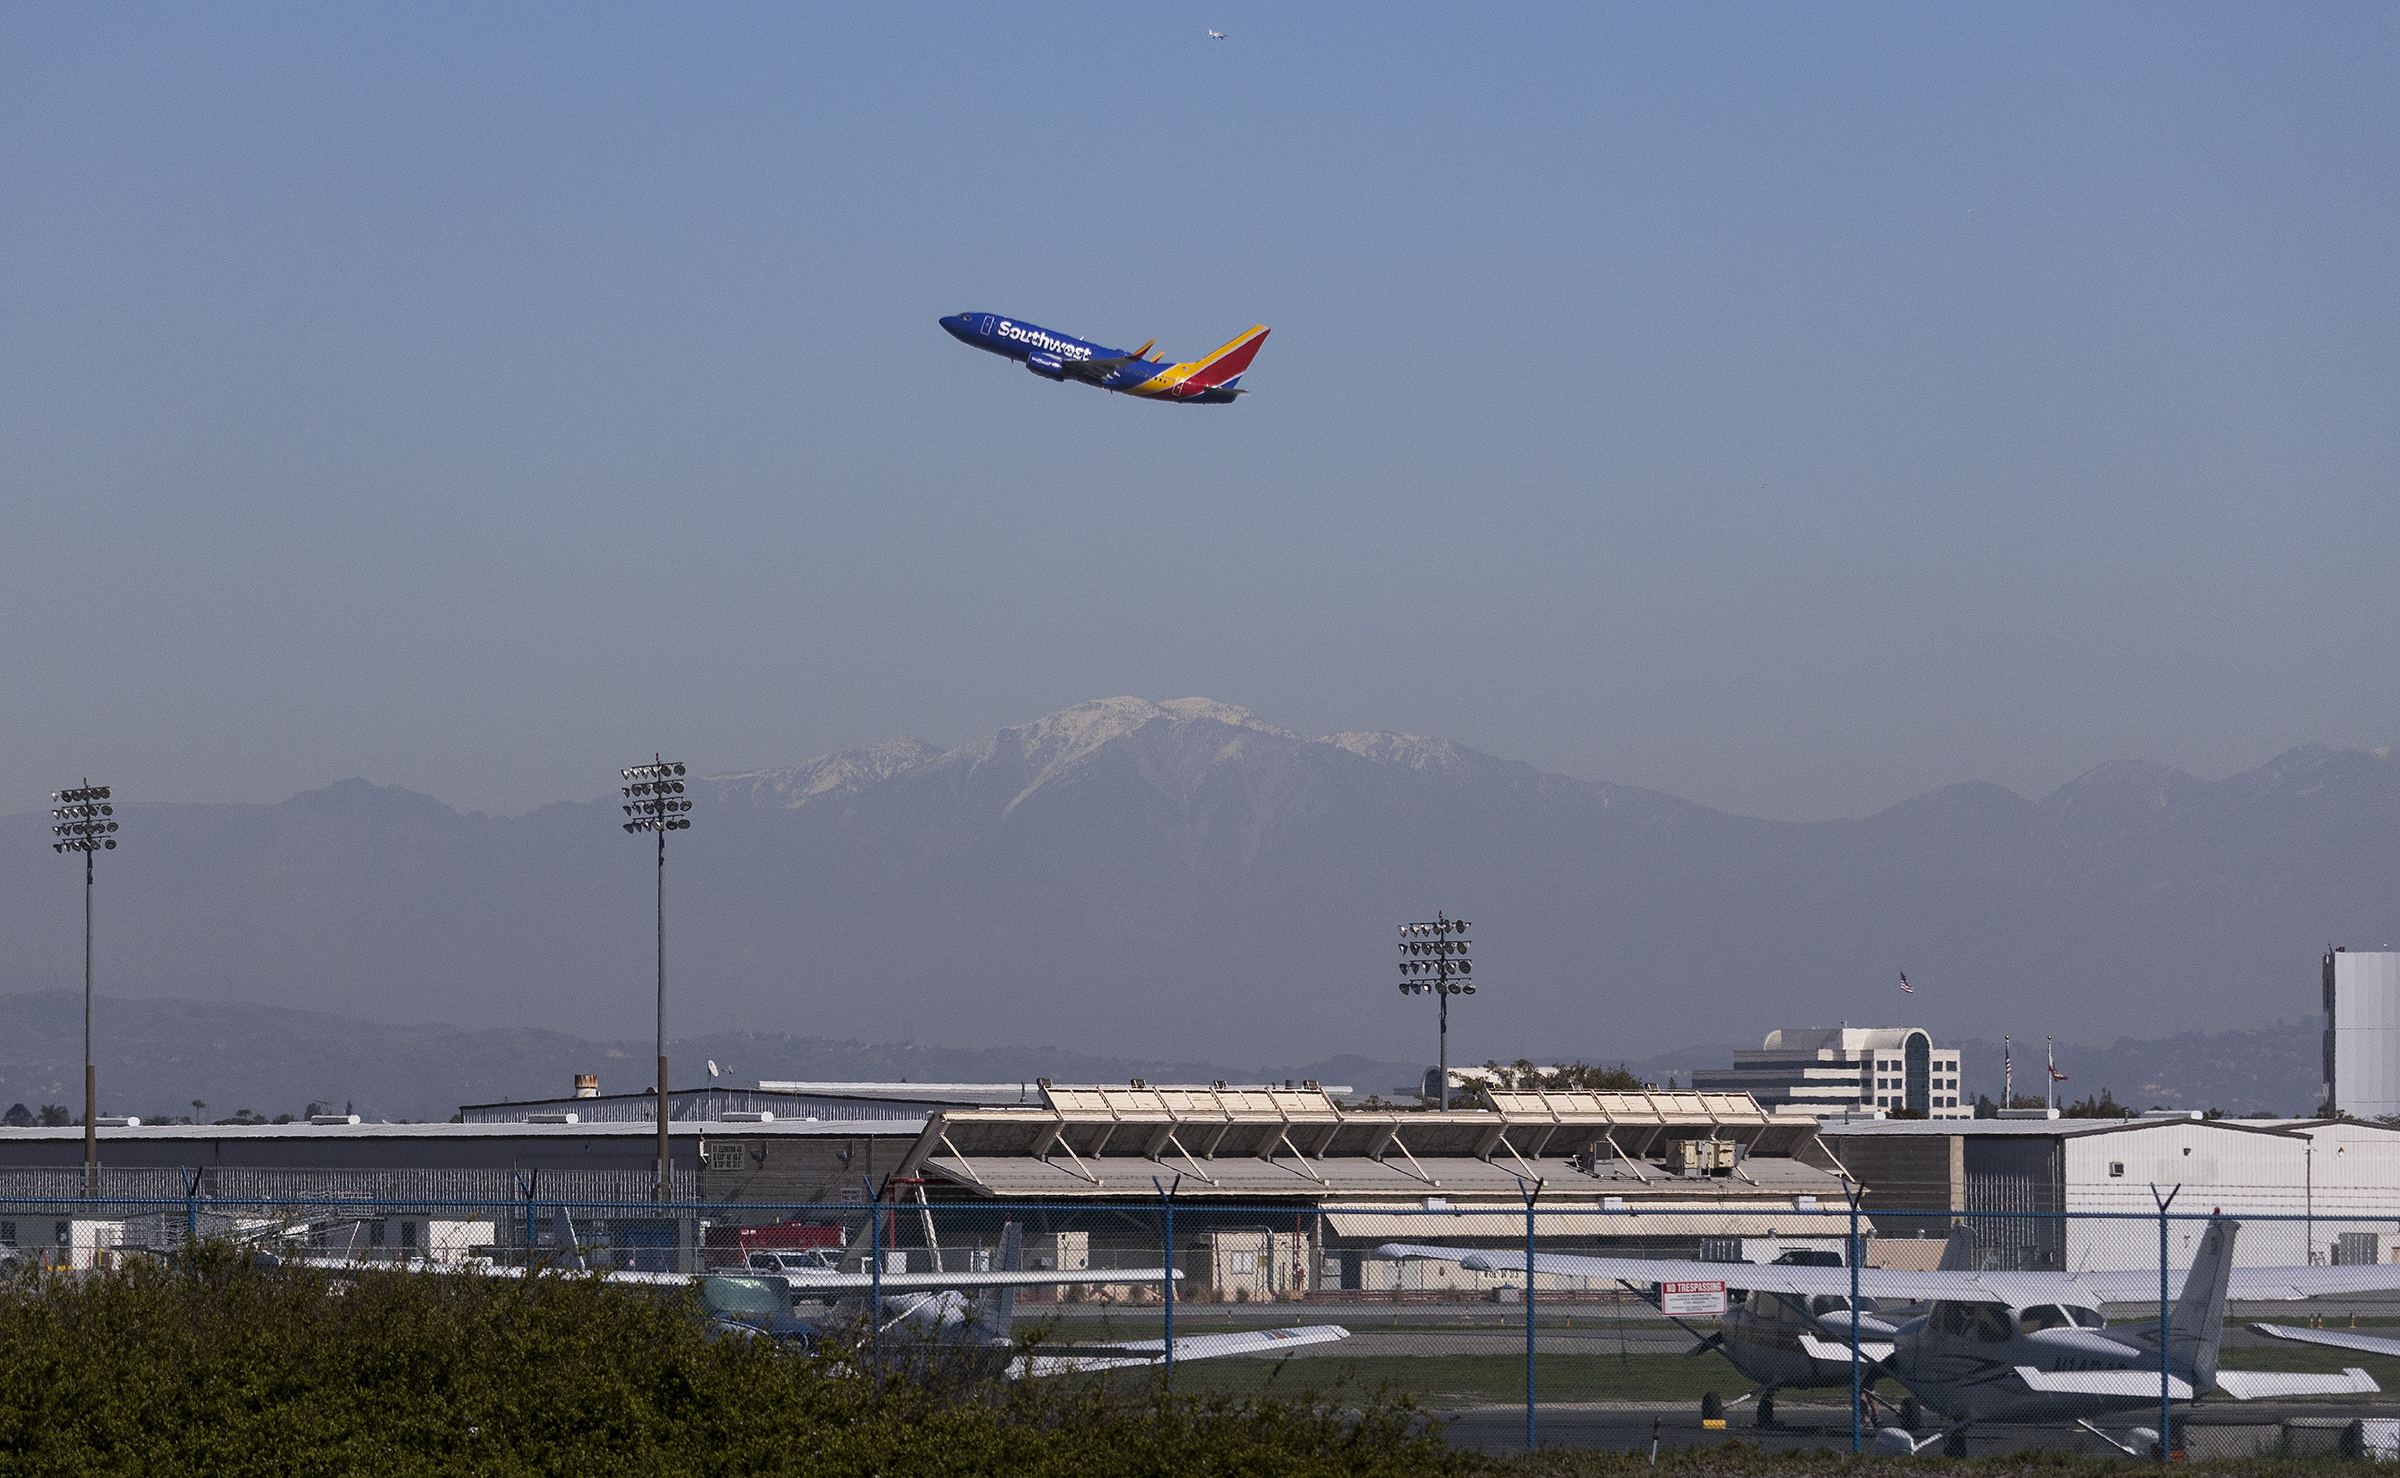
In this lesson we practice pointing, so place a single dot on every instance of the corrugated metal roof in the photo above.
(635, 1129)
(1491, 1224)
(2035, 1128)
(1284, 1142)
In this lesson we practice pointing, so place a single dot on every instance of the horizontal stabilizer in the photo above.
(1869, 1350)
(2253, 1385)
(2332, 1339)
(2102, 1382)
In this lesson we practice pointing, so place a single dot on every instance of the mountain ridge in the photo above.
(1185, 881)
(157, 1055)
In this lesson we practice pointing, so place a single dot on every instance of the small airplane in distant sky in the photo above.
(1216, 35)
(1213, 379)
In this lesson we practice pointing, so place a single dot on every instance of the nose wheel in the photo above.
(1766, 1410)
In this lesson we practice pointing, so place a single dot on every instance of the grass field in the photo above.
(1473, 1379)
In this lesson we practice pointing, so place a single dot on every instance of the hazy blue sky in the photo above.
(1793, 408)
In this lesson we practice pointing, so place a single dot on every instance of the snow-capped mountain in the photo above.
(1185, 881)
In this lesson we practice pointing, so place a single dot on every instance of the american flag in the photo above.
(2008, 1077)
(1904, 985)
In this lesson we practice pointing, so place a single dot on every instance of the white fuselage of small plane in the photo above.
(1799, 1342)
(1990, 1361)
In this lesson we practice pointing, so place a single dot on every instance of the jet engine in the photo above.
(1048, 366)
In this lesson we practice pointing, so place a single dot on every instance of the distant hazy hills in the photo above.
(156, 1056)
(1183, 882)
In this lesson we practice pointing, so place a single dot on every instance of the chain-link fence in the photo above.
(2179, 1328)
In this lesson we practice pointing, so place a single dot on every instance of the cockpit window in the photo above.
(2043, 1316)
(1828, 1303)
(1989, 1323)
(2087, 1318)
(736, 1294)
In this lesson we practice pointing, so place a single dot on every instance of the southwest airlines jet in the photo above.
(1213, 380)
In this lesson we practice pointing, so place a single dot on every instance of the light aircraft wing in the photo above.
(2253, 1385)
(808, 1283)
(803, 1284)
(2338, 1339)
(2128, 1285)
(1191, 1347)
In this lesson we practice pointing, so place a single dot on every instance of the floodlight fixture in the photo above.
(1437, 947)
(655, 802)
(84, 822)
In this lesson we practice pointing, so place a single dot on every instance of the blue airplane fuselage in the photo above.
(1054, 356)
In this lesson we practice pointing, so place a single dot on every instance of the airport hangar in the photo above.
(1672, 1174)
(1676, 1173)
(2337, 1180)
(1691, 1174)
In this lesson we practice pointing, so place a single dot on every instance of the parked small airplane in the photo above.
(2014, 1346)
(1781, 1341)
(933, 1309)
(930, 1308)
(1213, 379)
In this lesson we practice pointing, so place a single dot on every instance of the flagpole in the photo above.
(2050, 1058)
(2008, 1077)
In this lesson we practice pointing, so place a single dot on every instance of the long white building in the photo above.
(1825, 1070)
(2307, 1191)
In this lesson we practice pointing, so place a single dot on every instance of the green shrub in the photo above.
(215, 1366)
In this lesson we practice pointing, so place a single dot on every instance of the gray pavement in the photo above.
(2249, 1430)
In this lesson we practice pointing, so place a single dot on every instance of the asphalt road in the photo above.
(2209, 1431)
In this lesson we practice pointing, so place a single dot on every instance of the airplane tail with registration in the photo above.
(2199, 1315)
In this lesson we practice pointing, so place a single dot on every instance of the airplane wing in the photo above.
(1096, 370)
(2338, 1339)
(2127, 1285)
(1192, 1347)
(802, 1284)
(805, 1284)
(2253, 1385)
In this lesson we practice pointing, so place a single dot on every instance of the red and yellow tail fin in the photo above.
(1229, 362)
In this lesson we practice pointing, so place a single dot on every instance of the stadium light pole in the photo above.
(84, 822)
(654, 802)
(1433, 960)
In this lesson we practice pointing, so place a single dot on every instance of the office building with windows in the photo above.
(1845, 1070)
